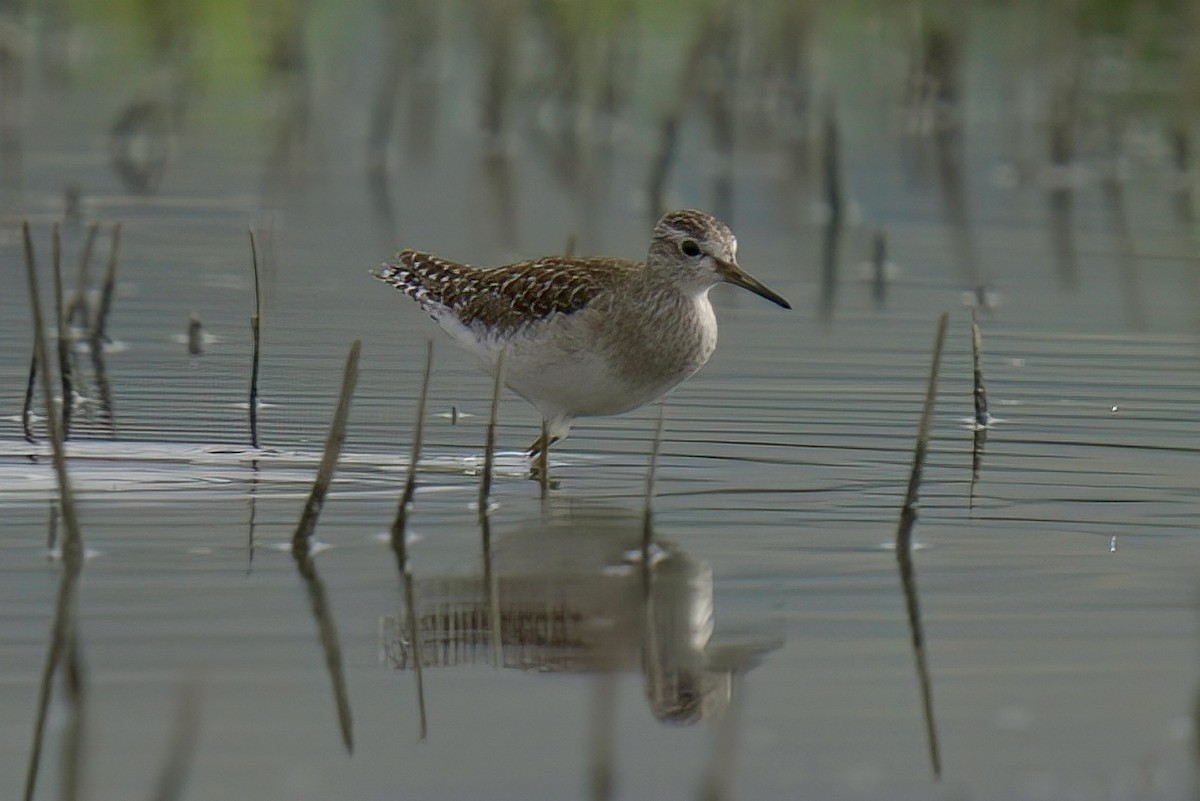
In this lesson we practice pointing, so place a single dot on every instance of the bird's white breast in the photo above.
(598, 361)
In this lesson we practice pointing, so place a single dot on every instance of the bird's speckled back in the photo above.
(504, 298)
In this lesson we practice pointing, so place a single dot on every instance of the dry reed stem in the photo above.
(77, 305)
(107, 290)
(399, 546)
(195, 336)
(908, 516)
(326, 630)
(62, 631)
(981, 404)
(255, 331)
(64, 343)
(98, 332)
(71, 523)
(982, 418)
(334, 441)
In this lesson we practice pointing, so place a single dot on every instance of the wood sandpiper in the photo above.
(583, 337)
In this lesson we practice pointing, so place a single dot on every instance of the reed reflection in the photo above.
(327, 634)
(303, 550)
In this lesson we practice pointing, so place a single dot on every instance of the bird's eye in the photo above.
(689, 248)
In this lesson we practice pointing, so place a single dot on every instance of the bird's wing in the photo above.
(503, 297)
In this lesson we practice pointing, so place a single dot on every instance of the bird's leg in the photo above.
(534, 451)
(539, 457)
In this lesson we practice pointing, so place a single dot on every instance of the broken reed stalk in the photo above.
(62, 631)
(333, 448)
(400, 546)
(908, 516)
(100, 319)
(195, 336)
(981, 404)
(982, 418)
(909, 511)
(410, 483)
(255, 331)
(648, 510)
(182, 747)
(64, 343)
(489, 443)
(303, 557)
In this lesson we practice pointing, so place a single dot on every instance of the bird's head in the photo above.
(699, 251)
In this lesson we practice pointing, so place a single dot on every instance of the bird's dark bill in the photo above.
(733, 274)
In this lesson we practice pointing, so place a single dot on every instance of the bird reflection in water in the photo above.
(569, 593)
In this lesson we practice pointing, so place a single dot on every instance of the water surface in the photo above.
(769, 656)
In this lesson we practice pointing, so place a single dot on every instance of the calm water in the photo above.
(770, 656)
